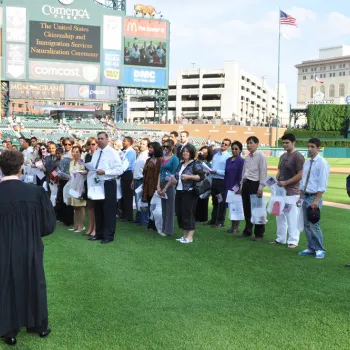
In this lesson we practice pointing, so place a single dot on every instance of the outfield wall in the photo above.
(267, 136)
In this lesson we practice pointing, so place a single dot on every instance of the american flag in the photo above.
(287, 19)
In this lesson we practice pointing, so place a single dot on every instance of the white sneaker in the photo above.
(186, 241)
(180, 239)
(162, 234)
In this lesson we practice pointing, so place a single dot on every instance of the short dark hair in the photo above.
(289, 137)
(191, 150)
(175, 133)
(146, 139)
(21, 138)
(103, 133)
(210, 152)
(157, 149)
(59, 150)
(228, 141)
(27, 141)
(33, 138)
(316, 142)
(4, 141)
(253, 139)
(51, 143)
(165, 136)
(239, 144)
(185, 132)
(78, 148)
(68, 139)
(11, 162)
(7, 141)
(129, 138)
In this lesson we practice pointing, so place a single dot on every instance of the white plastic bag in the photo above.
(138, 197)
(236, 208)
(300, 219)
(76, 189)
(258, 209)
(119, 189)
(277, 201)
(66, 195)
(96, 189)
(156, 211)
(53, 195)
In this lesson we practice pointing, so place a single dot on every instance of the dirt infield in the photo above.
(334, 170)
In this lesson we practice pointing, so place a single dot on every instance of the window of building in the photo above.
(242, 98)
(331, 91)
(343, 74)
(248, 80)
(248, 90)
(304, 77)
(341, 90)
(253, 93)
(172, 87)
(242, 88)
(312, 76)
(312, 91)
(253, 83)
(243, 78)
(259, 88)
(264, 91)
(322, 89)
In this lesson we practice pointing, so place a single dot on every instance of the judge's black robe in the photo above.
(26, 215)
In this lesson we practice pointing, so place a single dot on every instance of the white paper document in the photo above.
(206, 168)
(271, 182)
(89, 166)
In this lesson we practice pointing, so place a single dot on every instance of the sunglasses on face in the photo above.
(235, 149)
(67, 144)
(43, 149)
(166, 146)
(225, 144)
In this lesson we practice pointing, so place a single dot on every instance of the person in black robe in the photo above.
(26, 215)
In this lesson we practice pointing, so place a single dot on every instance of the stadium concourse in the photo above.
(45, 129)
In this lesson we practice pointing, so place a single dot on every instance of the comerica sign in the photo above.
(65, 12)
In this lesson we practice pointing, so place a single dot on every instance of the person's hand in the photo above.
(299, 202)
(239, 192)
(185, 177)
(260, 193)
(132, 185)
(160, 193)
(213, 172)
(100, 172)
(282, 183)
(314, 204)
(173, 182)
(84, 172)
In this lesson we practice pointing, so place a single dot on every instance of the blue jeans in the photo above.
(313, 232)
(142, 217)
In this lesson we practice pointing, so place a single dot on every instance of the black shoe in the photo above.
(210, 222)
(9, 341)
(243, 235)
(348, 265)
(105, 241)
(219, 226)
(45, 334)
(94, 238)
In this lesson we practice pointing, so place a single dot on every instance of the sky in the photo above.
(208, 33)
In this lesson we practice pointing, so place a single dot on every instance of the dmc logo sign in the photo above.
(65, 13)
(142, 74)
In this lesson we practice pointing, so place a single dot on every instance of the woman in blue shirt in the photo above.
(233, 175)
(170, 162)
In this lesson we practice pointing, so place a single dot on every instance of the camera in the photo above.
(97, 179)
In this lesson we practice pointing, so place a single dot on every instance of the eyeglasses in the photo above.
(67, 144)
(166, 146)
(225, 144)
(235, 149)
(92, 144)
(43, 149)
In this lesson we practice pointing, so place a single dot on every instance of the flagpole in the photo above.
(278, 75)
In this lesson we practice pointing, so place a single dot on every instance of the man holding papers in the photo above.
(254, 175)
(102, 188)
(290, 169)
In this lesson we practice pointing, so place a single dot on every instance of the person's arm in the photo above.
(243, 172)
(291, 181)
(322, 183)
(115, 167)
(262, 175)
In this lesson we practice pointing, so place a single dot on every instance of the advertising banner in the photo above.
(111, 67)
(40, 91)
(145, 77)
(91, 92)
(64, 71)
(15, 61)
(16, 24)
(143, 28)
(59, 41)
(112, 33)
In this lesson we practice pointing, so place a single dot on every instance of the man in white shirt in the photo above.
(108, 166)
(27, 152)
(313, 185)
(141, 217)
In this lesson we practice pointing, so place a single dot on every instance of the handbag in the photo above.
(203, 186)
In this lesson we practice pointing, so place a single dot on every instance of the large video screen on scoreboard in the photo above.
(81, 42)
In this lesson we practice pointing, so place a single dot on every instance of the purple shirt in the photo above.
(233, 172)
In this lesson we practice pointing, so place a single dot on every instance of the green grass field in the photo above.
(334, 162)
(148, 292)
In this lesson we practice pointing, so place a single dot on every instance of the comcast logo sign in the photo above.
(66, 2)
